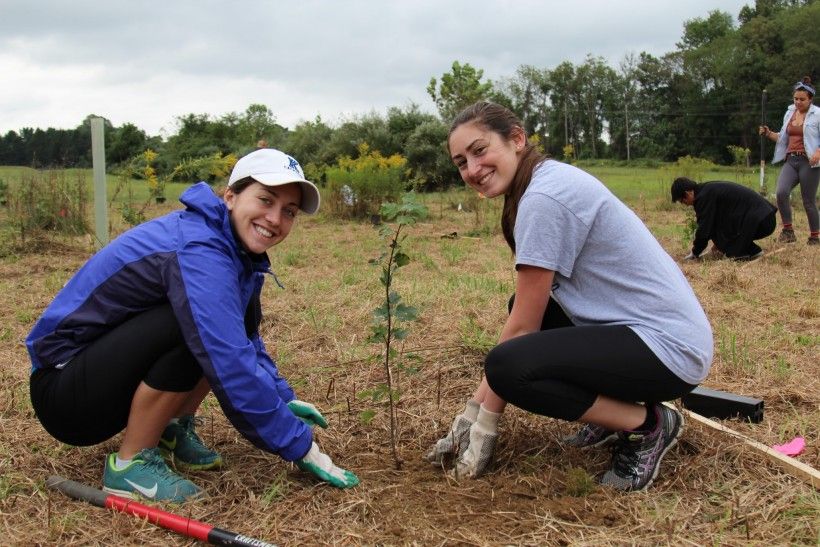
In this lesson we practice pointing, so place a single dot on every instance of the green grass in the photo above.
(14, 175)
(630, 184)
(633, 184)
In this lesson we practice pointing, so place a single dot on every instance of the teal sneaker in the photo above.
(147, 477)
(181, 444)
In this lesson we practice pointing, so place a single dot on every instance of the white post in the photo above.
(100, 200)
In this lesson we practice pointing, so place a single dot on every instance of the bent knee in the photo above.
(499, 370)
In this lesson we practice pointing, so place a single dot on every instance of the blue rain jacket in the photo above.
(191, 259)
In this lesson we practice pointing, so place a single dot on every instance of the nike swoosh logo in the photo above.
(147, 492)
(170, 445)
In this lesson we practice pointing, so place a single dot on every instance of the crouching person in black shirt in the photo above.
(732, 216)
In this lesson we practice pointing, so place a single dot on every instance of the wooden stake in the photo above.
(438, 388)
(793, 467)
(329, 387)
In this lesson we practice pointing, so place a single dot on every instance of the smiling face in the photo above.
(802, 101)
(486, 161)
(262, 216)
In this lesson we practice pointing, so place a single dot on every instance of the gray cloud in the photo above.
(147, 62)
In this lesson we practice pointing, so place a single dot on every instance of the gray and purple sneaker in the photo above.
(637, 455)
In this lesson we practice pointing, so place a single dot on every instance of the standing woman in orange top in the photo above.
(798, 142)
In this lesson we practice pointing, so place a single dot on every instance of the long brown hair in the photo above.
(505, 123)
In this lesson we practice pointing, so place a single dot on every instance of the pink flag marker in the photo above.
(791, 448)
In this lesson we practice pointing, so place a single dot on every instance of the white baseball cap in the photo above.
(274, 168)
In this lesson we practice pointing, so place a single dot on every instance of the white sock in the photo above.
(488, 420)
(121, 464)
(471, 410)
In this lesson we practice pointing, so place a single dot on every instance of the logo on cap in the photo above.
(294, 166)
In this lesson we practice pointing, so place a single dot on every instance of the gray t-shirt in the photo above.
(609, 270)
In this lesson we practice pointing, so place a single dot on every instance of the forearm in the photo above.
(531, 297)
(768, 133)
(486, 397)
(515, 326)
(514, 329)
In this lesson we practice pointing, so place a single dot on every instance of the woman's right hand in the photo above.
(453, 445)
(763, 130)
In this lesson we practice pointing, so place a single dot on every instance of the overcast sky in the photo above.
(147, 62)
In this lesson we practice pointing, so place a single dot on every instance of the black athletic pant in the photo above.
(88, 401)
(561, 370)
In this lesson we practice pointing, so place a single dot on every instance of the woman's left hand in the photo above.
(307, 413)
(814, 160)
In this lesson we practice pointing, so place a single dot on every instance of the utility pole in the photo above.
(626, 119)
(566, 125)
(762, 145)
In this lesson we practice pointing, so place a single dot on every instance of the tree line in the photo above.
(697, 100)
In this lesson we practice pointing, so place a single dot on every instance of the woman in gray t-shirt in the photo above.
(601, 319)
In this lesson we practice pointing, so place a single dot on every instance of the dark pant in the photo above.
(751, 231)
(89, 400)
(562, 369)
(796, 170)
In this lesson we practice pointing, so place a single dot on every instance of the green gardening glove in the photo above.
(321, 466)
(307, 413)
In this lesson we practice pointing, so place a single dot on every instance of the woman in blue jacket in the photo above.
(798, 142)
(164, 314)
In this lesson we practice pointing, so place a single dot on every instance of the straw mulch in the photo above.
(712, 489)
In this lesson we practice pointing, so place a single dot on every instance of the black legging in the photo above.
(88, 401)
(561, 370)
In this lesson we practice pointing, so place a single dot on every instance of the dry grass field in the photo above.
(712, 490)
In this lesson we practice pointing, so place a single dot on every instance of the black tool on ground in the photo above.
(712, 403)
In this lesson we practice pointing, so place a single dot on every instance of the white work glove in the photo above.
(321, 466)
(455, 442)
(483, 435)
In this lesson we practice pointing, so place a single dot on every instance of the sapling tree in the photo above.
(389, 316)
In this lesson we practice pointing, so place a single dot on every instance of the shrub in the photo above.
(689, 167)
(156, 187)
(49, 202)
(693, 168)
(740, 161)
(212, 168)
(568, 152)
(357, 187)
